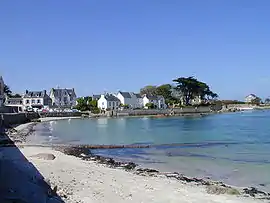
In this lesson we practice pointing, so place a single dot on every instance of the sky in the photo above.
(104, 45)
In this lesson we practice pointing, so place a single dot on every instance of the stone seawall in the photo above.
(175, 111)
(17, 118)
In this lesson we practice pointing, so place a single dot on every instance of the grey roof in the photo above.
(125, 94)
(96, 96)
(60, 92)
(14, 100)
(154, 97)
(253, 95)
(138, 95)
(110, 97)
(33, 94)
(160, 97)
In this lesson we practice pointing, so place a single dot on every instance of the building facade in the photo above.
(108, 101)
(131, 99)
(158, 101)
(36, 99)
(251, 98)
(63, 97)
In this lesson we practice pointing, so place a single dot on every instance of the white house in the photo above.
(158, 101)
(251, 98)
(131, 99)
(63, 97)
(2, 96)
(36, 99)
(108, 101)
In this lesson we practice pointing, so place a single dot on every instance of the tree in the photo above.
(7, 90)
(149, 90)
(82, 104)
(150, 105)
(165, 91)
(92, 103)
(190, 87)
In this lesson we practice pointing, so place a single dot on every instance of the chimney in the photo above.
(26, 91)
(44, 92)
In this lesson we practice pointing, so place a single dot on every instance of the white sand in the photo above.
(87, 182)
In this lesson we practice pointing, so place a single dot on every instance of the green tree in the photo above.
(7, 90)
(150, 105)
(82, 104)
(190, 88)
(149, 90)
(92, 103)
(165, 91)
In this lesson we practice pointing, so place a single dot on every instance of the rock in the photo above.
(76, 151)
(45, 156)
(252, 191)
(129, 166)
(216, 189)
(146, 170)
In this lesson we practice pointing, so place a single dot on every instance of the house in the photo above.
(252, 98)
(158, 101)
(36, 99)
(63, 97)
(16, 103)
(139, 99)
(2, 96)
(108, 101)
(131, 99)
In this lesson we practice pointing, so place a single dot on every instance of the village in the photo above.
(66, 100)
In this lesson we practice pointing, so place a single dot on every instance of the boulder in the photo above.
(45, 156)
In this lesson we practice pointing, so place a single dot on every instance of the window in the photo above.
(113, 104)
(27, 101)
(38, 101)
(109, 103)
(33, 101)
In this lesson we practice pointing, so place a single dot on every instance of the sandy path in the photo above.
(87, 182)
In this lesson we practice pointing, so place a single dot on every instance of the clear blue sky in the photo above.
(97, 45)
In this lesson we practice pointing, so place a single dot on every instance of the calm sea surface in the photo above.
(234, 148)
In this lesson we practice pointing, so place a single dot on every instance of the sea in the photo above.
(232, 147)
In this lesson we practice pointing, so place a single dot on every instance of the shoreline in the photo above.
(82, 155)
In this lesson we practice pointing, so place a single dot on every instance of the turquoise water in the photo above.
(234, 148)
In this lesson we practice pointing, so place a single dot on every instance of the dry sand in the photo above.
(87, 181)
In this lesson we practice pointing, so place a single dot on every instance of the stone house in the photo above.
(63, 97)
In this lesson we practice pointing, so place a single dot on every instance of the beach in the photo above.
(77, 180)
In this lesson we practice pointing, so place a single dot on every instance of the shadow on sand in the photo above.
(20, 181)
